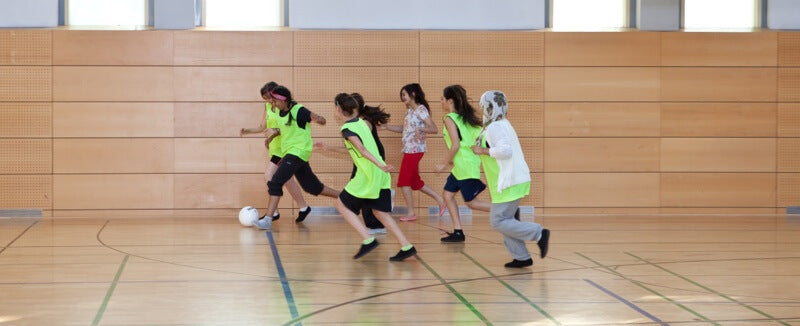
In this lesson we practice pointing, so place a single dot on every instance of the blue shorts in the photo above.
(470, 188)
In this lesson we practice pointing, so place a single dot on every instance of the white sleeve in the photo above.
(500, 141)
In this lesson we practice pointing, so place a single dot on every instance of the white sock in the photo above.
(276, 213)
(304, 209)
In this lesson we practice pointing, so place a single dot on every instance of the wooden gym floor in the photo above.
(601, 270)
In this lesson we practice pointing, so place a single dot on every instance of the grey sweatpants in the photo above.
(515, 233)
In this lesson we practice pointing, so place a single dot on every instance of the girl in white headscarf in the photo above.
(509, 180)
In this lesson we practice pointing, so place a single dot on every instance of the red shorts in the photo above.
(409, 171)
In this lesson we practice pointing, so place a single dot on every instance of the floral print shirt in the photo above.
(413, 133)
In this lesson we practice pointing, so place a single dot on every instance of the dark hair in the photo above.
(418, 95)
(374, 114)
(268, 87)
(285, 92)
(458, 94)
(346, 102)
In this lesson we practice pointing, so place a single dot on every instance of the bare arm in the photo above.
(452, 131)
(392, 128)
(430, 127)
(365, 153)
(318, 118)
(256, 130)
(326, 148)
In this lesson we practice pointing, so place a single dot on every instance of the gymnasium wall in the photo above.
(146, 123)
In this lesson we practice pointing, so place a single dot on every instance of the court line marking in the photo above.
(708, 289)
(110, 291)
(455, 292)
(626, 302)
(512, 289)
(641, 285)
(287, 291)
(18, 236)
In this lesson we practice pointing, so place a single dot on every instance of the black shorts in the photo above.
(383, 203)
(470, 188)
(275, 159)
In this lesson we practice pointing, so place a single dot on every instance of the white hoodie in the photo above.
(505, 148)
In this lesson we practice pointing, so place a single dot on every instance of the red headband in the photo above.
(277, 96)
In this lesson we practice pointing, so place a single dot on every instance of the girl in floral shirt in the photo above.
(417, 124)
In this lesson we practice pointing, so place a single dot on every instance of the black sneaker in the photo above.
(301, 215)
(543, 242)
(454, 237)
(519, 263)
(516, 214)
(403, 254)
(274, 217)
(365, 249)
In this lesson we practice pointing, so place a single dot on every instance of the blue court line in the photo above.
(287, 292)
(626, 302)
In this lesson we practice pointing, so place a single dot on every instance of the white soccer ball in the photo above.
(248, 215)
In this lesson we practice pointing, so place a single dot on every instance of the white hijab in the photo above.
(495, 107)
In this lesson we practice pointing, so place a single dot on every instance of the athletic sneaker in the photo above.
(365, 249)
(377, 231)
(519, 263)
(543, 243)
(403, 254)
(454, 237)
(301, 215)
(264, 223)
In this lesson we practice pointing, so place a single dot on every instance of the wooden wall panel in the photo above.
(129, 155)
(527, 118)
(460, 48)
(718, 119)
(789, 84)
(756, 49)
(220, 155)
(225, 191)
(113, 191)
(235, 84)
(113, 119)
(233, 48)
(718, 189)
(789, 154)
(26, 84)
(788, 119)
(25, 47)
(788, 189)
(601, 189)
(601, 154)
(106, 84)
(112, 48)
(217, 119)
(789, 49)
(602, 120)
(718, 155)
(602, 49)
(520, 83)
(21, 120)
(25, 156)
(718, 84)
(601, 84)
(356, 48)
(26, 191)
(376, 84)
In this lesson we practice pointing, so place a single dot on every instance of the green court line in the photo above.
(512, 289)
(709, 289)
(649, 289)
(453, 290)
(110, 292)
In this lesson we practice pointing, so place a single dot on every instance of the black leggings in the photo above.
(291, 165)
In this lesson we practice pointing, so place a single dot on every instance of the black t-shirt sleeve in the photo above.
(347, 133)
(303, 117)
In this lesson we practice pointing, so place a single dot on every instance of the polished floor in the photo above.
(601, 270)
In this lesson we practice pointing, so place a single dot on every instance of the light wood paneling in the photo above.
(25, 47)
(396, 109)
(718, 84)
(133, 155)
(718, 189)
(756, 49)
(788, 189)
(601, 189)
(112, 48)
(789, 49)
(187, 215)
(112, 191)
(21, 120)
(527, 118)
(333, 162)
(356, 48)
(789, 154)
(601, 120)
(718, 119)
(227, 48)
(788, 84)
(376, 84)
(220, 155)
(25, 156)
(788, 119)
(113, 119)
(227, 83)
(716, 211)
(123, 84)
(520, 83)
(555, 211)
(601, 154)
(224, 191)
(219, 119)
(602, 49)
(464, 48)
(601, 84)
(718, 154)
(26, 84)
(26, 191)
